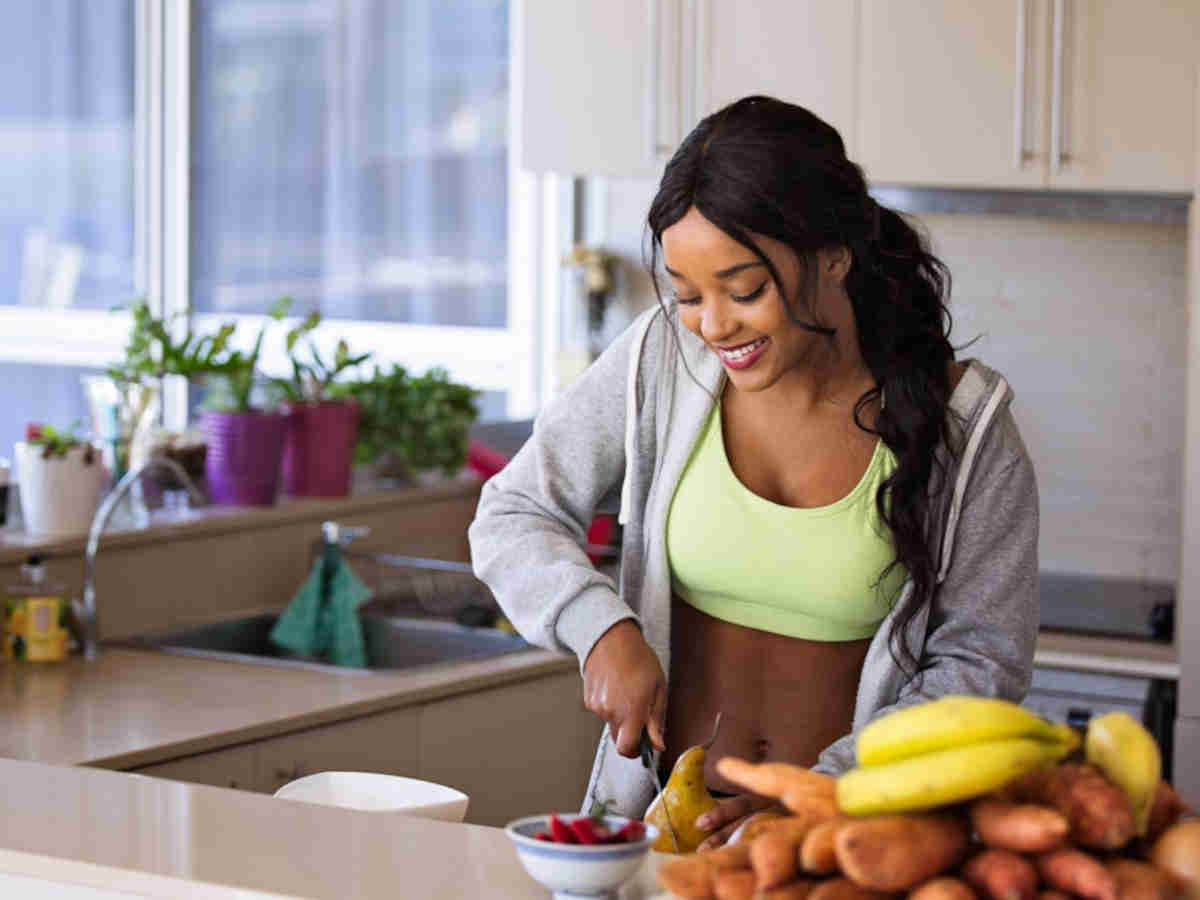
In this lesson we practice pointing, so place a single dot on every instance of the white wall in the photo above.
(1088, 322)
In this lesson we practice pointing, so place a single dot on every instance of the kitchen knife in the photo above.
(646, 751)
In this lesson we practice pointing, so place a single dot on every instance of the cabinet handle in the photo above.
(1021, 155)
(1058, 142)
(233, 782)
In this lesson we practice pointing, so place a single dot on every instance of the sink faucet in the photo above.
(91, 627)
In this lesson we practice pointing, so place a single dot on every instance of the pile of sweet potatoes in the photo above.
(1059, 832)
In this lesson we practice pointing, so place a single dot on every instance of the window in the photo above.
(217, 155)
(67, 222)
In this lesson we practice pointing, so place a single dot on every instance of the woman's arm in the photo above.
(531, 522)
(983, 621)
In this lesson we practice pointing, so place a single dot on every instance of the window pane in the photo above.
(66, 154)
(351, 155)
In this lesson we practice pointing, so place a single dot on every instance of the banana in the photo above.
(945, 776)
(948, 722)
(1128, 754)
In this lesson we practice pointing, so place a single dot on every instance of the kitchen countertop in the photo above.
(95, 833)
(131, 708)
(1109, 656)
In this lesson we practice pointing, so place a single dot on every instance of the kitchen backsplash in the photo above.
(1088, 321)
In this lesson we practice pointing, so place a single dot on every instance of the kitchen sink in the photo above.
(392, 643)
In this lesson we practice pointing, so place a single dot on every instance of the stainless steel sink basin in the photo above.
(392, 643)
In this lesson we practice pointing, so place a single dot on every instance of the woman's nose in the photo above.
(715, 323)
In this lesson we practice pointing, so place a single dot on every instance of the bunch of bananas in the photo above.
(946, 751)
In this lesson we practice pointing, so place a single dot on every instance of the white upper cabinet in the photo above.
(595, 92)
(1060, 94)
(802, 51)
(1124, 94)
(1071, 94)
(949, 93)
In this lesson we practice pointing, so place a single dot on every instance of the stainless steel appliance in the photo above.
(1126, 608)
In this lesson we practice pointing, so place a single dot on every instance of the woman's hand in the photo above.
(624, 685)
(727, 817)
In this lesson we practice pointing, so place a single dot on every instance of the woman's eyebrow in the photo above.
(724, 273)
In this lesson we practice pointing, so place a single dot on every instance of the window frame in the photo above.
(515, 358)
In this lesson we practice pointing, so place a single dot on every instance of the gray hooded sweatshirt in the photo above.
(622, 434)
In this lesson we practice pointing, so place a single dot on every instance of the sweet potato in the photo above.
(753, 826)
(1075, 872)
(775, 857)
(1177, 852)
(797, 788)
(1097, 810)
(1165, 811)
(734, 885)
(1019, 827)
(1053, 895)
(896, 853)
(1137, 880)
(842, 888)
(794, 890)
(694, 876)
(816, 853)
(944, 887)
(1001, 875)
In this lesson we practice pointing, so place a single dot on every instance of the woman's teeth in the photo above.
(742, 352)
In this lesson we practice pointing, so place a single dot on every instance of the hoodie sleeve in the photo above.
(983, 622)
(531, 523)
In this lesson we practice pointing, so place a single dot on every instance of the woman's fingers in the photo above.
(658, 714)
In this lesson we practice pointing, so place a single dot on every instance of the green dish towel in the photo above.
(325, 627)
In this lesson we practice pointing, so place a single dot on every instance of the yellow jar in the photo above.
(36, 618)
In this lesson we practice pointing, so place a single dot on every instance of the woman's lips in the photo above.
(745, 356)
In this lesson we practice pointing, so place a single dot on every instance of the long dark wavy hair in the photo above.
(767, 167)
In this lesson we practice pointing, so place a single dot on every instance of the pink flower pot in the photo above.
(318, 451)
(244, 451)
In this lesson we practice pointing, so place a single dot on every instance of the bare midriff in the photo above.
(781, 699)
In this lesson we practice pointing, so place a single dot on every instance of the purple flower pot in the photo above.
(318, 451)
(244, 450)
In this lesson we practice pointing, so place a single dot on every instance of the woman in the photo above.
(826, 517)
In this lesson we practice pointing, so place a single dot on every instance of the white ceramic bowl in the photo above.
(376, 792)
(577, 870)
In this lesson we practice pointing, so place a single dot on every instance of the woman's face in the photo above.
(727, 297)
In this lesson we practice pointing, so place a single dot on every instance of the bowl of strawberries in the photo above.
(576, 855)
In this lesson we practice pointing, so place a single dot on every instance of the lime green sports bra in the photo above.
(805, 573)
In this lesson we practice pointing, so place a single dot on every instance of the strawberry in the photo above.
(589, 831)
(560, 832)
(631, 831)
(543, 836)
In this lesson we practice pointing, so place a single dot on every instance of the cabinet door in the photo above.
(232, 767)
(1127, 110)
(383, 742)
(595, 91)
(950, 93)
(801, 51)
(515, 750)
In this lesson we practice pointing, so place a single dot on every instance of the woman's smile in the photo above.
(743, 356)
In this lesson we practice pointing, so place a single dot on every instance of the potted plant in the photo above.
(245, 444)
(318, 449)
(61, 479)
(412, 426)
(125, 404)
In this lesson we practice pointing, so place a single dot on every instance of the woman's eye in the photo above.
(687, 301)
(753, 295)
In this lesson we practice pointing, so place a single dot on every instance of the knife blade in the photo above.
(646, 751)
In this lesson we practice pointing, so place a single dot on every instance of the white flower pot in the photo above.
(59, 495)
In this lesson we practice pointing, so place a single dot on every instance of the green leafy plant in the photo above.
(231, 391)
(312, 377)
(412, 424)
(57, 443)
(153, 351)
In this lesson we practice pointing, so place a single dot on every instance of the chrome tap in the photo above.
(90, 623)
